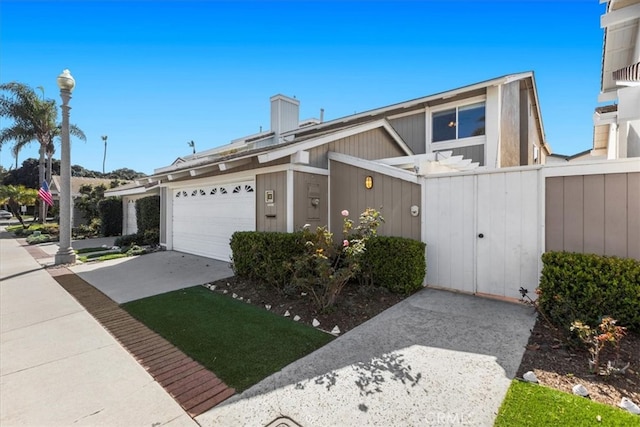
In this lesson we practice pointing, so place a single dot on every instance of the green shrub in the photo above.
(36, 238)
(589, 287)
(151, 236)
(110, 216)
(128, 240)
(265, 256)
(148, 213)
(47, 228)
(395, 263)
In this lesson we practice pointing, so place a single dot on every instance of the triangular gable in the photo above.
(279, 152)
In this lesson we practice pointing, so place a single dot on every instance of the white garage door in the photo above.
(204, 218)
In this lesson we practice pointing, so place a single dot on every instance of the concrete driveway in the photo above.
(437, 358)
(128, 279)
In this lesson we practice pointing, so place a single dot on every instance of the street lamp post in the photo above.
(65, 254)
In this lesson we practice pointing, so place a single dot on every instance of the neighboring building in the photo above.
(76, 183)
(617, 126)
(582, 156)
(130, 193)
(306, 172)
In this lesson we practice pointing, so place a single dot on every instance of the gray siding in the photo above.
(306, 188)
(594, 214)
(473, 152)
(393, 197)
(413, 131)
(271, 217)
(370, 145)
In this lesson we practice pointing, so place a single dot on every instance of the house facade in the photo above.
(617, 124)
(77, 217)
(307, 171)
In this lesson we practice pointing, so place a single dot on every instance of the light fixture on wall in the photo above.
(368, 182)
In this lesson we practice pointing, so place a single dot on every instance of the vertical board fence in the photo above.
(486, 230)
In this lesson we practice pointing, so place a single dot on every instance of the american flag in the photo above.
(45, 194)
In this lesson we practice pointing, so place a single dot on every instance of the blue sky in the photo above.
(153, 75)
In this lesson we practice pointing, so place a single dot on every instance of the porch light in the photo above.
(368, 182)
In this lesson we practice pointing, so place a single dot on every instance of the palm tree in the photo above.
(34, 119)
(192, 145)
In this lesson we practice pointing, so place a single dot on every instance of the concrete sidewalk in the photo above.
(58, 366)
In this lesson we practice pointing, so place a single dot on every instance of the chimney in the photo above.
(285, 114)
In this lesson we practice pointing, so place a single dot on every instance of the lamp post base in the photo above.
(65, 256)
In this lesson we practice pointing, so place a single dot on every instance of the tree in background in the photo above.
(34, 119)
(17, 195)
(27, 174)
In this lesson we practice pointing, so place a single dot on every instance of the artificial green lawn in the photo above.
(240, 343)
(535, 405)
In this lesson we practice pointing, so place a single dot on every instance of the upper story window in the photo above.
(459, 122)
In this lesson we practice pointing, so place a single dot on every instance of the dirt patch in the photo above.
(561, 363)
(355, 305)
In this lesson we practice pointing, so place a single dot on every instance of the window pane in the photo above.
(444, 125)
(471, 120)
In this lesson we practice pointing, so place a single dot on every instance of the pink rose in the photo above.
(345, 243)
(345, 213)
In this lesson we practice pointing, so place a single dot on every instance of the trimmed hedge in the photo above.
(110, 216)
(148, 214)
(128, 240)
(265, 256)
(588, 287)
(395, 263)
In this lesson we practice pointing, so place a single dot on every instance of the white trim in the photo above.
(458, 143)
(290, 201)
(461, 103)
(325, 139)
(252, 172)
(433, 146)
(300, 157)
(590, 167)
(620, 16)
(408, 113)
(177, 175)
(225, 166)
(609, 95)
(374, 167)
(129, 191)
(605, 118)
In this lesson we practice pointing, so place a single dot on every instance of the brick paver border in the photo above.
(194, 387)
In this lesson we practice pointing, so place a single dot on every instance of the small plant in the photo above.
(596, 339)
(327, 266)
(526, 299)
